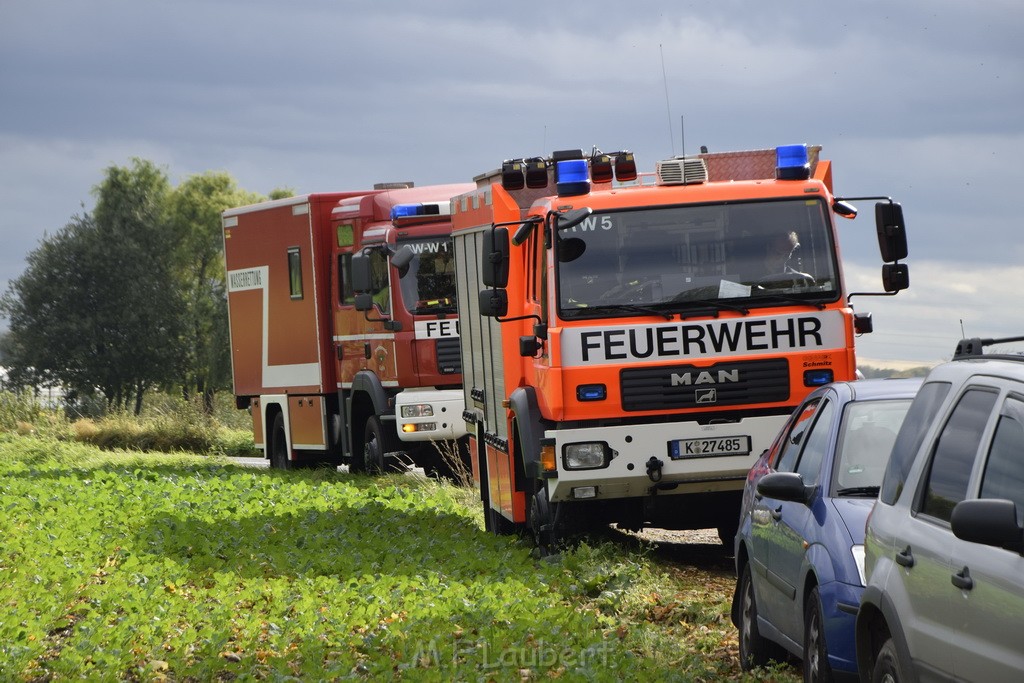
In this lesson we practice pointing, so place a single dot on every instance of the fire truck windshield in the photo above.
(428, 286)
(734, 256)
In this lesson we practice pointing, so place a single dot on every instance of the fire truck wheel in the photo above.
(376, 442)
(279, 445)
(541, 522)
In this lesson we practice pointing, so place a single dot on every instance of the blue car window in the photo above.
(951, 464)
(1004, 471)
(809, 465)
(865, 440)
(795, 438)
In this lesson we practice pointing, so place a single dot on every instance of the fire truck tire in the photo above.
(540, 523)
(376, 442)
(279, 445)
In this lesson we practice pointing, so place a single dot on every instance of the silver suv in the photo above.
(944, 548)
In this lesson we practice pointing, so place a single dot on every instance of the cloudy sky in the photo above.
(921, 100)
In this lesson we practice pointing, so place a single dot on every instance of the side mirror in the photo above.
(493, 303)
(989, 521)
(494, 259)
(572, 218)
(895, 277)
(892, 231)
(401, 260)
(788, 486)
(363, 302)
(862, 323)
(362, 280)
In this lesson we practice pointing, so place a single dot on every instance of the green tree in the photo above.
(97, 308)
(195, 210)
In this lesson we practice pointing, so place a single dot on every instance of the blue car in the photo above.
(800, 545)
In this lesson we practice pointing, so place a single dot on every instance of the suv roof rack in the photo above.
(975, 346)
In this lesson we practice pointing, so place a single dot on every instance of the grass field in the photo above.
(118, 565)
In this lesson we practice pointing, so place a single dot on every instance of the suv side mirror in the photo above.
(892, 231)
(989, 521)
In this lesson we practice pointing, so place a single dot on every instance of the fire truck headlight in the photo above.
(418, 410)
(585, 456)
(411, 427)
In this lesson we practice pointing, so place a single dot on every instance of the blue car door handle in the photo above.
(777, 513)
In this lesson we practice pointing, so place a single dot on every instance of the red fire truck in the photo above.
(629, 348)
(344, 326)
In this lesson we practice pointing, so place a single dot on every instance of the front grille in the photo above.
(449, 357)
(690, 386)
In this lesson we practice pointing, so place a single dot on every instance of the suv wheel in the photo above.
(887, 665)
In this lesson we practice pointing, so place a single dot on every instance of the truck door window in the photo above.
(346, 297)
(295, 272)
(1004, 470)
(955, 449)
(379, 280)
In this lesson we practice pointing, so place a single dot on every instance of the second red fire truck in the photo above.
(344, 327)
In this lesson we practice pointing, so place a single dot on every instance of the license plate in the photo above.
(682, 449)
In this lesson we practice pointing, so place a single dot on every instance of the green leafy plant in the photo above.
(129, 566)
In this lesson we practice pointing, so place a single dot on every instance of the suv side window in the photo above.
(955, 448)
(1004, 471)
(908, 441)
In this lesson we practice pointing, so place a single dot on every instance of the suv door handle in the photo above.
(905, 558)
(777, 513)
(962, 579)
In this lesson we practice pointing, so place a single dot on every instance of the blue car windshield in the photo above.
(866, 436)
(737, 254)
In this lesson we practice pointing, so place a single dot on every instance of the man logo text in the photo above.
(697, 378)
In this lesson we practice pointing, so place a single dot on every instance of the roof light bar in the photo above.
(791, 162)
(573, 178)
(409, 210)
(536, 173)
(513, 174)
(601, 168)
(625, 167)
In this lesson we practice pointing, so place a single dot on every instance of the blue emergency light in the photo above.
(573, 178)
(791, 162)
(817, 378)
(591, 392)
(407, 210)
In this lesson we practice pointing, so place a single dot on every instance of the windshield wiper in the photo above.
(716, 304)
(789, 299)
(629, 308)
(859, 491)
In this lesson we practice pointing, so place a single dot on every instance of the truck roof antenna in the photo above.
(668, 109)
